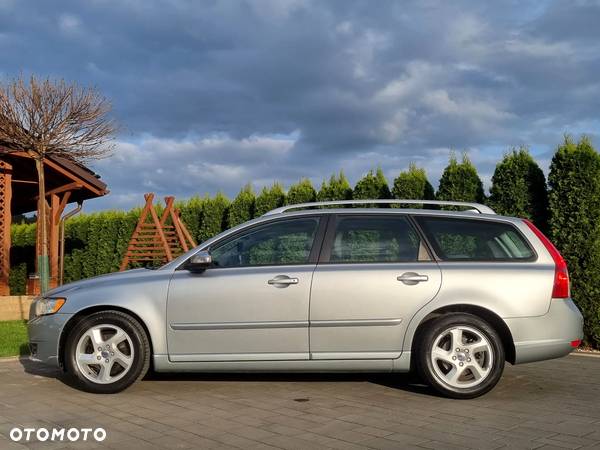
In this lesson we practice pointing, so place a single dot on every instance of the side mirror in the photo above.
(199, 262)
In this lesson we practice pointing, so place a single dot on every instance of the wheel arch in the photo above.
(80, 315)
(489, 316)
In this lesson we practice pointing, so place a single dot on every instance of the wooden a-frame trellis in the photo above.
(157, 240)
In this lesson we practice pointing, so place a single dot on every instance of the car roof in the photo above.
(400, 203)
(411, 211)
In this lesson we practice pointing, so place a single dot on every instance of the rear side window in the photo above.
(474, 240)
(372, 239)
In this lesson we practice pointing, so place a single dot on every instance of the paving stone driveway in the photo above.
(553, 404)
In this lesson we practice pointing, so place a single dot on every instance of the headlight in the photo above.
(45, 306)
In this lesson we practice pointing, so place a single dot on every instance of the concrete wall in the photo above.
(15, 307)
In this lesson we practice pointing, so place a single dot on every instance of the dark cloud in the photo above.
(214, 94)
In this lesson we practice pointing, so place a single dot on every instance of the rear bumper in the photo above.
(548, 336)
(44, 337)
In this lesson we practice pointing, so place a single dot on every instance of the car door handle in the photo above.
(282, 281)
(412, 278)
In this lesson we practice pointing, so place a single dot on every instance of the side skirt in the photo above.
(162, 364)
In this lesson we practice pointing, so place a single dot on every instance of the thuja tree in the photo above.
(242, 208)
(519, 188)
(269, 198)
(191, 215)
(17, 280)
(301, 192)
(214, 216)
(337, 188)
(95, 243)
(574, 201)
(372, 186)
(460, 182)
(413, 184)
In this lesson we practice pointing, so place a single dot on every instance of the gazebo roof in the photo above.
(61, 175)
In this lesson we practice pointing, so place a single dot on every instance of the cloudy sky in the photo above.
(214, 94)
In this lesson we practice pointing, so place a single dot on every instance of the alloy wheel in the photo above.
(462, 357)
(104, 354)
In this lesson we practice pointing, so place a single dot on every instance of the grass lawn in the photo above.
(13, 338)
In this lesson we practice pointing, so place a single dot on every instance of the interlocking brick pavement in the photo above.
(552, 404)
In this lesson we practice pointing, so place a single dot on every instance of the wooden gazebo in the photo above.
(66, 182)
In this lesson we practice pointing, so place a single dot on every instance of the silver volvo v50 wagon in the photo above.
(450, 294)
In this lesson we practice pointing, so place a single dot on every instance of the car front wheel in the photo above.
(460, 356)
(106, 352)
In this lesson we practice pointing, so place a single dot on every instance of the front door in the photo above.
(253, 303)
(374, 275)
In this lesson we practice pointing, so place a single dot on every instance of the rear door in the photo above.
(374, 273)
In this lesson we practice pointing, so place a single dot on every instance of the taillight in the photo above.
(561, 274)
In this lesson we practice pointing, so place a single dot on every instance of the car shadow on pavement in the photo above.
(402, 381)
(43, 370)
(39, 369)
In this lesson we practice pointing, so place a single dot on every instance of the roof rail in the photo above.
(476, 207)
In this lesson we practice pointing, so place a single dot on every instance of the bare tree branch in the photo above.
(45, 117)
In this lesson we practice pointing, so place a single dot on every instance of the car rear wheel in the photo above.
(106, 352)
(460, 356)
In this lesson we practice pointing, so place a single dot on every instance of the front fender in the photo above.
(142, 293)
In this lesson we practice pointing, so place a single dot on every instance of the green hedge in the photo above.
(372, 186)
(214, 216)
(413, 184)
(337, 188)
(242, 208)
(519, 188)
(22, 235)
(18, 279)
(301, 192)
(460, 182)
(191, 215)
(268, 199)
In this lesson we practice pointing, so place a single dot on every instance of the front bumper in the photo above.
(548, 336)
(44, 337)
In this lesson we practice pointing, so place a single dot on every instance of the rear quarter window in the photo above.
(455, 239)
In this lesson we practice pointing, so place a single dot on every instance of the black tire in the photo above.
(139, 341)
(425, 366)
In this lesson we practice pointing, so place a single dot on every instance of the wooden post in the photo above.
(5, 220)
(161, 233)
(177, 234)
(53, 241)
(57, 206)
(36, 285)
(186, 238)
(178, 229)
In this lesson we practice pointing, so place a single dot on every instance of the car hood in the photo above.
(100, 279)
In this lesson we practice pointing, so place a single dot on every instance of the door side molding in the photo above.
(237, 325)
(355, 323)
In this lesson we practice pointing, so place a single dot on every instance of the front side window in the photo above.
(474, 240)
(279, 243)
(373, 239)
